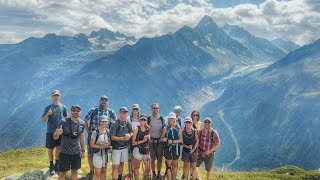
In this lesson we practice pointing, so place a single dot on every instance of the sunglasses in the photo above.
(188, 122)
(76, 110)
(155, 108)
(143, 120)
(135, 109)
(195, 115)
(207, 122)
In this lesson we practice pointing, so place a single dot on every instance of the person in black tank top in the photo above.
(140, 144)
(189, 151)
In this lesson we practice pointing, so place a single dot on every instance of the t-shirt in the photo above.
(102, 139)
(71, 144)
(96, 118)
(58, 113)
(119, 129)
(156, 127)
(134, 122)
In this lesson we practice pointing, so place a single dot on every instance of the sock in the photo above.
(154, 172)
(120, 176)
(51, 163)
(57, 161)
(158, 173)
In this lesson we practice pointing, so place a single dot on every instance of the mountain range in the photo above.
(198, 68)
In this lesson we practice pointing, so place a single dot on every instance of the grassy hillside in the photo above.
(25, 160)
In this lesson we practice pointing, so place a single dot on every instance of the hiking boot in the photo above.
(56, 168)
(51, 169)
(154, 176)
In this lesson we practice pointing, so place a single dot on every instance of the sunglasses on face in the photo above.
(76, 110)
(124, 112)
(206, 121)
(195, 115)
(56, 95)
(155, 108)
(143, 120)
(188, 122)
(135, 109)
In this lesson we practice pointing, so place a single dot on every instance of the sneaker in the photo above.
(51, 169)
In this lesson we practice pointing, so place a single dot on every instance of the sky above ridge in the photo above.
(295, 20)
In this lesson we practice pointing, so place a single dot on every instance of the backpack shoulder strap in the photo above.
(94, 112)
(149, 120)
(212, 136)
(162, 120)
(111, 114)
(97, 135)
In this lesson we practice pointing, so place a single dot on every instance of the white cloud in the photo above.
(296, 20)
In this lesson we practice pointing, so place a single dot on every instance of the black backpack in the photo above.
(211, 136)
(114, 143)
(94, 150)
(144, 147)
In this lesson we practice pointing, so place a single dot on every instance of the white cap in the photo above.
(172, 115)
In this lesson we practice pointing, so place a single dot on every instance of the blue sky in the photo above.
(296, 20)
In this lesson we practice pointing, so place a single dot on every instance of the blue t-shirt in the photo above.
(58, 113)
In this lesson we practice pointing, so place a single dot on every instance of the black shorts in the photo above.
(50, 142)
(67, 162)
(172, 153)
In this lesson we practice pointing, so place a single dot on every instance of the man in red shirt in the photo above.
(209, 142)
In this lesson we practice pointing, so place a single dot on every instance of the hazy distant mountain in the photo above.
(288, 46)
(272, 116)
(262, 48)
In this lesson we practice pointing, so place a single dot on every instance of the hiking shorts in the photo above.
(138, 156)
(99, 161)
(187, 157)
(67, 162)
(208, 162)
(119, 156)
(172, 152)
(52, 143)
(156, 151)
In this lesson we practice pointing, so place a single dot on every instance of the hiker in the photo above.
(53, 114)
(72, 143)
(98, 143)
(134, 116)
(134, 119)
(156, 123)
(189, 151)
(209, 142)
(197, 124)
(120, 133)
(177, 110)
(172, 137)
(140, 142)
(91, 123)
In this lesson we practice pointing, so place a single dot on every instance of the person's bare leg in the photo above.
(62, 176)
(185, 170)
(74, 174)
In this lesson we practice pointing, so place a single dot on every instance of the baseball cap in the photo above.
(104, 97)
(75, 106)
(123, 109)
(104, 118)
(207, 118)
(177, 109)
(143, 117)
(55, 92)
(172, 115)
(135, 106)
(188, 119)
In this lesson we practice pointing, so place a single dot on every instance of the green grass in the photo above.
(29, 159)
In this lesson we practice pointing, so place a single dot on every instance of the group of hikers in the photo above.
(139, 140)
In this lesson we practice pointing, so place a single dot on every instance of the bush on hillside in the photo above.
(290, 170)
